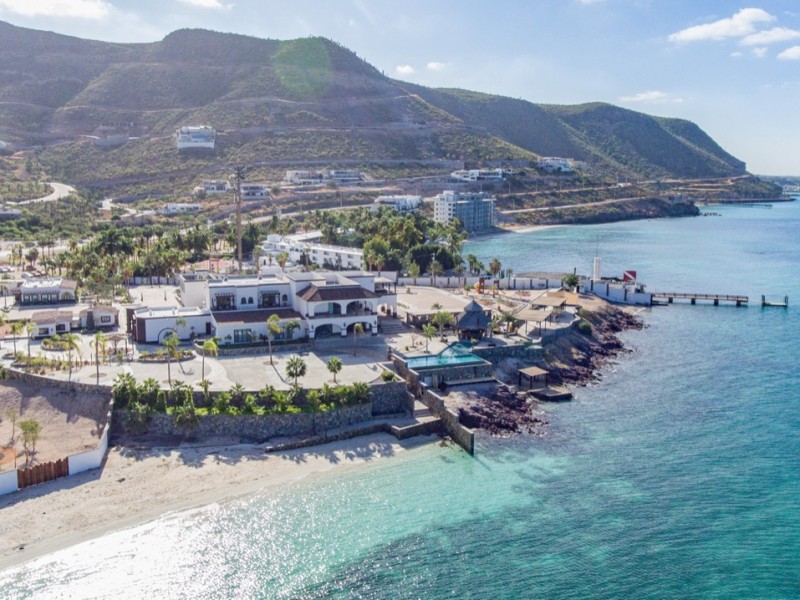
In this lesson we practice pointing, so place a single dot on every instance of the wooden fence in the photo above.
(43, 472)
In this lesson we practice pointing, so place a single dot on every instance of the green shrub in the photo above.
(585, 327)
(222, 403)
(388, 376)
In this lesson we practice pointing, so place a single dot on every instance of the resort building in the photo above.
(399, 203)
(210, 187)
(201, 136)
(236, 308)
(99, 316)
(305, 249)
(474, 210)
(554, 164)
(46, 290)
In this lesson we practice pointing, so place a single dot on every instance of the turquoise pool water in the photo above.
(454, 354)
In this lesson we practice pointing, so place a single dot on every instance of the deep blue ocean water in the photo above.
(678, 475)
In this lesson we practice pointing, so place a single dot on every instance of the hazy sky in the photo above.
(731, 67)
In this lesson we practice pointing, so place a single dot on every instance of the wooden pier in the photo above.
(715, 299)
(779, 303)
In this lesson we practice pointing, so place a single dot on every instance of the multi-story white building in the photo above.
(304, 248)
(399, 203)
(212, 186)
(554, 164)
(236, 308)
(254, 191)
(179, 209)
(474, 210)
(479, 175)
(201, 136)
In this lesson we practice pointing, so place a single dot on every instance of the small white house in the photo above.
(405, 203)
(50, 322)
(200, 136)
(173, 209)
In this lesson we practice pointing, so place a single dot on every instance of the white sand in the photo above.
(135, 487)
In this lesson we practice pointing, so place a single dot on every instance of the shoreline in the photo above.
(138, 486)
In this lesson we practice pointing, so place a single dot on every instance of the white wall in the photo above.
(8, 482)
(92, 459)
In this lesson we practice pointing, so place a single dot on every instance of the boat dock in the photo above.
(715, 299)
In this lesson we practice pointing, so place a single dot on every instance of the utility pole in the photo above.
(238, 177)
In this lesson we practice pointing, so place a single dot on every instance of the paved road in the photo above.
(60, 190)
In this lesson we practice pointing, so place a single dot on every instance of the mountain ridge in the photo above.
(291, 92)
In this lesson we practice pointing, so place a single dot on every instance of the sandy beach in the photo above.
(138, 485)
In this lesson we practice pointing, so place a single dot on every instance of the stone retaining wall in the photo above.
(252, 428)
(19, 375)
(463, 436)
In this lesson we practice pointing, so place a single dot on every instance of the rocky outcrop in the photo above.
(502, 411)
(578, 358)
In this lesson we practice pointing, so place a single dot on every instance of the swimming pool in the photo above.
(454, 354)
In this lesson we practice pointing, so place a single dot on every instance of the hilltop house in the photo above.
(201, 136)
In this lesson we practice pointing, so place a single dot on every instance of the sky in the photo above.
(731, 67)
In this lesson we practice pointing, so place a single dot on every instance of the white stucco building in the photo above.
(554, 164)
(236, 308)
(405, 203)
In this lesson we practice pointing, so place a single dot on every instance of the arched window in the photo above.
(285, 300)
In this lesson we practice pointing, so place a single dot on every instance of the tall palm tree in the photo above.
(30, 329)
(295, 368)
(71, 342)
(171, 343)
(210, 348)
(99, 345)
(435, 268)
(273, 329)
(16, 328)
(428, 331)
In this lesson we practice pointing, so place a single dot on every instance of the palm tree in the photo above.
(99, 344)
(494, 266)
(435, 267)
(442, 319)
(171, 343)
(413, 271)
(290, 327)
(283, 257)
(509, 273)
(358, 329)
(273, 329)
(179, 322)
(16, 328)
(334, 366)
(295, 368)
(30, 329)
(428, 331)
(209, 348)
(71, 342)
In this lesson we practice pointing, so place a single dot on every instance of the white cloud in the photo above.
(214, 4)
(792, 53)
(588, 2)
(760, 52)
(652, 97)
(736, 54)
(81, 9)
(437, 66)
(404, 69)
(770, 36)
(739, 25)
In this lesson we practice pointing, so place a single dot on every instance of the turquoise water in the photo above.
(677, 476)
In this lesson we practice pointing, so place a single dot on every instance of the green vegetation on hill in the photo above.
(306, 99)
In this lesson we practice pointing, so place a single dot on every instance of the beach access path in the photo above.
(136, 486)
